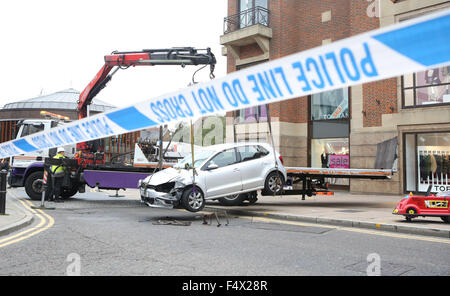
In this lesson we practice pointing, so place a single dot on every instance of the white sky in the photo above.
(52, 45)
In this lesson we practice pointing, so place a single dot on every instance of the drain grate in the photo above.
(287, 227)
(387, 268)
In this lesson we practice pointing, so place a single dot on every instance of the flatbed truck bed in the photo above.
(313, 179)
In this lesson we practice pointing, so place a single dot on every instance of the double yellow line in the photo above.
(45, 223)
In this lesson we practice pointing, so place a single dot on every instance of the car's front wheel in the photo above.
(193, 199)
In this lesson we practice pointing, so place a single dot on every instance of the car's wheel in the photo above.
(233, 200)
(252, 197)
(410, 213)
(193, 199)
(34, 186)
(446, 219)
(274, 183)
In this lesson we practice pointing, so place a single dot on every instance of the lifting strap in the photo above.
(269, 122)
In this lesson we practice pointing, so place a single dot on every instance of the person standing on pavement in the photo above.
(58, 172)
(4, 165)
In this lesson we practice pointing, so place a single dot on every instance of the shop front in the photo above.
(427, 161)
(329, 132)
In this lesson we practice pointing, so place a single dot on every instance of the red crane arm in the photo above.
(147, 57)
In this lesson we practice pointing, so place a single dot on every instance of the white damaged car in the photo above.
(228, 172)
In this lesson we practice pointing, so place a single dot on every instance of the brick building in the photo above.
(414, 109)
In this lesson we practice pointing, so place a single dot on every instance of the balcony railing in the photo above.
(246, 18)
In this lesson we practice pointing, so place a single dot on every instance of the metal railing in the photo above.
(246, 18)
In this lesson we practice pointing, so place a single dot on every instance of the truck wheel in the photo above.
(34, 186)
(274, 184)
(446, 219)
(193, 200)
(233, 200)
(69, 192)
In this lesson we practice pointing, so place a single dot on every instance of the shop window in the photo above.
(331, 153)
(252, 114)
(433, 161)
(426, 88)
(330, 105)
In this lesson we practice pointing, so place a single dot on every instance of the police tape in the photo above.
(408, 47)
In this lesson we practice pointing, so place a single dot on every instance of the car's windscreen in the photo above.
(199, 158)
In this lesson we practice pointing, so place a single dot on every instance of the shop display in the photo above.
(433, 167)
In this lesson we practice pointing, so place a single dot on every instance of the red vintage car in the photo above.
(430, 205)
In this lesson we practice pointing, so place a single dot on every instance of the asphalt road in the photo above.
(94, 234)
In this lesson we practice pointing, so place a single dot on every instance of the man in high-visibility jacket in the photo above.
(58, 173)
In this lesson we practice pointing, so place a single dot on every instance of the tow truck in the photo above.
(88, 166)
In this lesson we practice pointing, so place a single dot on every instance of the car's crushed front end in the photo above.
(164, 189)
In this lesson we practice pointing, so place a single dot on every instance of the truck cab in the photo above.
(24, 165)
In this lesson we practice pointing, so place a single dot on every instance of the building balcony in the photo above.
(246, 29)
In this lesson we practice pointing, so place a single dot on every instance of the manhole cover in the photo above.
(387, 268)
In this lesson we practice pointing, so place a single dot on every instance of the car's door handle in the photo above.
(236, 170)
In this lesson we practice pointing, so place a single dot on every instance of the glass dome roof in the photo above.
(65, 99)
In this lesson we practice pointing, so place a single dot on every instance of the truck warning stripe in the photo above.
(411, 46)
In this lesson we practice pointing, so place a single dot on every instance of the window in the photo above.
(29, 129)
(263, 151)
(330, 105)
(426, 88)
(252, 114)
(253, 12)
(331, 153)
(224, 158)
(427, 162)
(249, 152)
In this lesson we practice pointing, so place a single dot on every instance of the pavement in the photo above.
(16, 216)
(341, 209)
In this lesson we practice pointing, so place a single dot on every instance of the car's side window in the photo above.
(224, 158)
(263, 151)
(249, 152)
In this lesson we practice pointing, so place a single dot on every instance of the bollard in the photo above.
(44, 189)
(3, 175)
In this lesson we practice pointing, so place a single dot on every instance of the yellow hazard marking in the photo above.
(45, 223)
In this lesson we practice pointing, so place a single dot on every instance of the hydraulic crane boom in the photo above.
(122, 60)
(148, 57)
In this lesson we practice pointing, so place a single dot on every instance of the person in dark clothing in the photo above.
(4, 164)
(58, 173)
